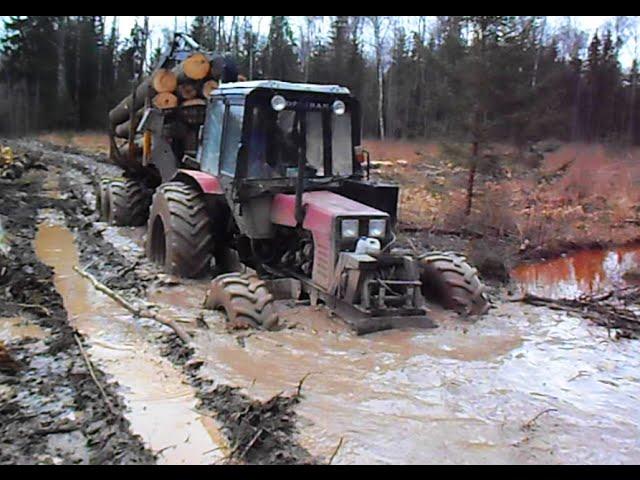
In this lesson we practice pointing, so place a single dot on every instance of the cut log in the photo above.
(188, 90)
(164, 81)
(122, 130)
(208, 87)
(165, 100)
(195, 67)
(120, 113)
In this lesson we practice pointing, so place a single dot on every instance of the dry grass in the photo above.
(90, 142)
(578, 195)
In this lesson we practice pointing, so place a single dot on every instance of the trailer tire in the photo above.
(103, 199)
(179, 233)
(129, 203)
(448, 280)
(245, 299)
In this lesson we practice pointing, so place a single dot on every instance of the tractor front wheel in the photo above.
(448, 280)
(245, 299)
(179, 232)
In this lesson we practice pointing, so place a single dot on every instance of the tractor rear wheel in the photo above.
(448, 280)
(245, 299)
(128, 202)
(179, 231)
(103, 199)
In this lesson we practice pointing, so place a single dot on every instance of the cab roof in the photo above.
(245, 88)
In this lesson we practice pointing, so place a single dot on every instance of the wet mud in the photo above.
(51, 411)
(524, 384)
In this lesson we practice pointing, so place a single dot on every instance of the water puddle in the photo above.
(14, 328)
(585, 272)
(161, 403)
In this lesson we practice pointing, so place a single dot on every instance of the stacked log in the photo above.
(179, 90)
(186, 85)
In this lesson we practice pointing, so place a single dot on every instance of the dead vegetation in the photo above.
(613, 310)
(543, 201)
(89, 142)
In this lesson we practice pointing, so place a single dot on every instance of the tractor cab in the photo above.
(269, 133)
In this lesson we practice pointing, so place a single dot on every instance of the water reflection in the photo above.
(585, 272)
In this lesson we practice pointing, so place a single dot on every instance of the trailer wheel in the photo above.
(128, 203)
(448, 280)
(103, 199)
(245, 299)
(179, 235)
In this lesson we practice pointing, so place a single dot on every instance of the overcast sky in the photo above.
(588, 23)
(158, 23)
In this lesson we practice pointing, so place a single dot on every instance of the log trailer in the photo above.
(272, 193)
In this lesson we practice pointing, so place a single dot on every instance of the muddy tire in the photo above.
(129, 203)
(245, 299)
(179, 231)
(448, 280)
(103, 199)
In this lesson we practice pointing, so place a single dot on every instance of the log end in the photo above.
(165, 100)
(197, 66)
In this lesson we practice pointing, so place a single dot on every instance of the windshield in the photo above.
(278, 139)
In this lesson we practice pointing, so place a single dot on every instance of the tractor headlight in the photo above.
(338, 107)
(278, 103)
(377, 227)
(349, 228)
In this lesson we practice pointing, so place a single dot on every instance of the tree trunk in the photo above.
(472, 177)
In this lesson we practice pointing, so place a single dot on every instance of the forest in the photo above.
(507, 78)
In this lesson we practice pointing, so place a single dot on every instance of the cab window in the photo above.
(210, 153)
(232, 137)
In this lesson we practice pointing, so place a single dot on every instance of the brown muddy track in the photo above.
(51, 411)
(258, 432)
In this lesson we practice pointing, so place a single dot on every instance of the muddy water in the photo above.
(457, 394)
(585, 272)
(162, 405)
(13, 328)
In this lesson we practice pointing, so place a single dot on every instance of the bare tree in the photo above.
(380, 26)
(308, 35)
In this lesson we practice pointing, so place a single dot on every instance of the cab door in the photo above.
(209, 153)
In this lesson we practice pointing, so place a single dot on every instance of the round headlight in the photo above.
(278, 103)
(339, 107)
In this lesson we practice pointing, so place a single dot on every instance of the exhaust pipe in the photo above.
(302, 148)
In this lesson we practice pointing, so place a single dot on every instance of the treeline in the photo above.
(468, 77)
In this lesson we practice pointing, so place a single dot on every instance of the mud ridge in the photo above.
(51, 411)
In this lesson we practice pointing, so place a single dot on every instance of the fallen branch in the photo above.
(335, 452)
(93, 375)
(299, 389)
(595, 309)
(44, 310)
(135, 309)
(529, 425)
(250, 444)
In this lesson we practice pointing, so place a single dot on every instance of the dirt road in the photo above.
(523, 385)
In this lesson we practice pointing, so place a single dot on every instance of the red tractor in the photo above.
(277, 184)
